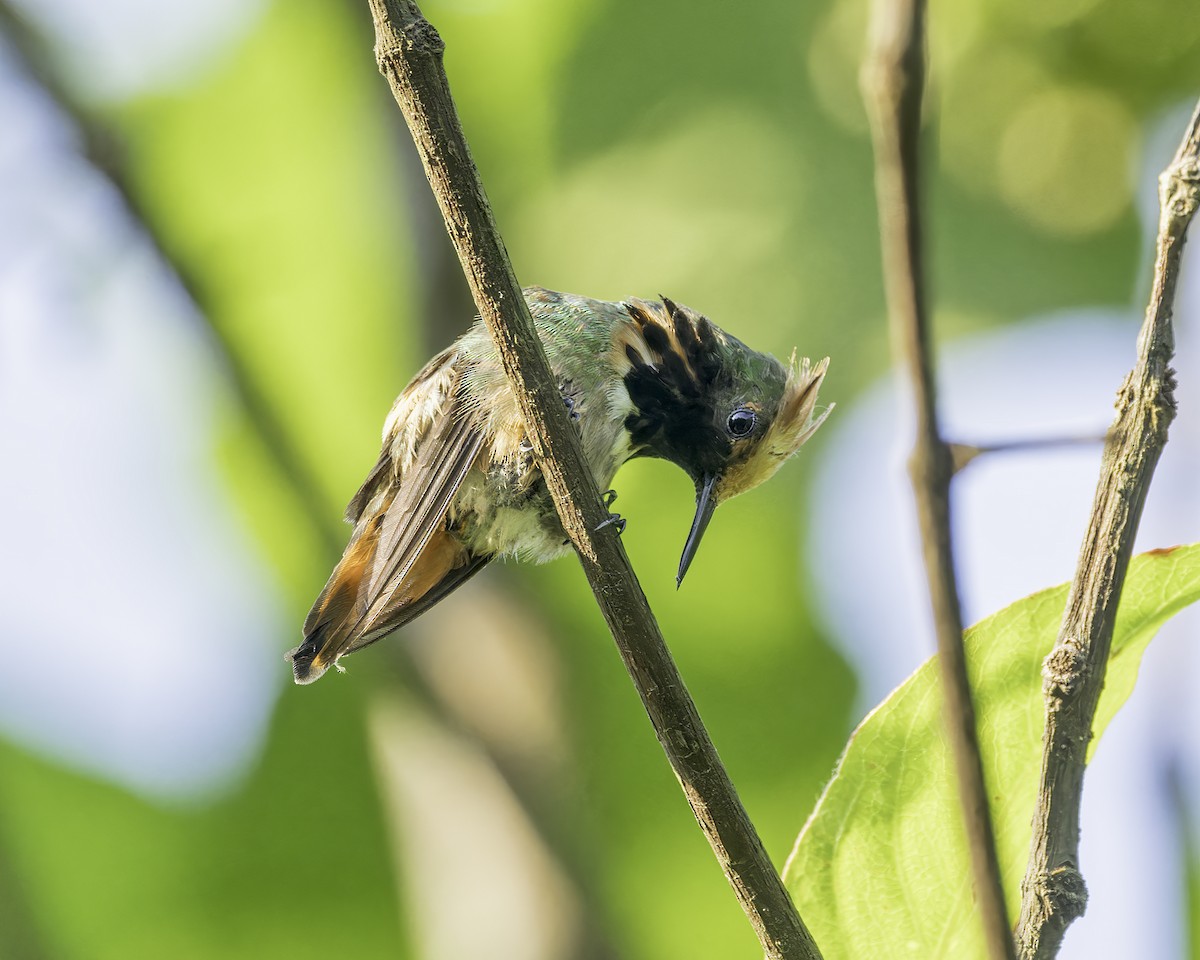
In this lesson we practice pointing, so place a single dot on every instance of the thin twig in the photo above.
(103, 152)
(1053, 893)
(963, 454)
(893, 81)
(409, 52)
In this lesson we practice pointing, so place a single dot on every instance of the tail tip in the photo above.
(306, 666)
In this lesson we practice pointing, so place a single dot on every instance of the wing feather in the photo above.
(400, 559)
(419, 507)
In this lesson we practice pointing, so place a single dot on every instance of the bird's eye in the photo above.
(741, 422)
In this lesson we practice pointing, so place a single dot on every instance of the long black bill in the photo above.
(706, 503)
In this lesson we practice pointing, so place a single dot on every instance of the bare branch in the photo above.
(102, 150)
(1053, 893)
(893, 81)
(409, 52)
(964, 454)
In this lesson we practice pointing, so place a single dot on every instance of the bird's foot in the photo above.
(609, 497)
(571, 411)
(614, 520)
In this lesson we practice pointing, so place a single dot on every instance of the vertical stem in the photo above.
(893, 81)
(1053, 893)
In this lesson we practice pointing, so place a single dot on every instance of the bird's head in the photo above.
(728, 415)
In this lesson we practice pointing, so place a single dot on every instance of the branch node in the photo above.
(421, 36)
(1065, 669)
(1179, 189)
(1166, 406)
(417, 37)
(1062, 894)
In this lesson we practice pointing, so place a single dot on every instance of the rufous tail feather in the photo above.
(339, 622)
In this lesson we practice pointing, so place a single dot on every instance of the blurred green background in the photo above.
(490, 774)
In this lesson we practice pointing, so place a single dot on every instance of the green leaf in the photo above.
(881, 869)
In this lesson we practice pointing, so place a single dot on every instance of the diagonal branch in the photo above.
(102, 150)
(893, 81)
(1053, 893)
(409, 53)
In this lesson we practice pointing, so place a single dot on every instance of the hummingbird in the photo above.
(457, 485)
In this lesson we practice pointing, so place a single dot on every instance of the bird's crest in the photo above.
(675, 340)
(795, 421)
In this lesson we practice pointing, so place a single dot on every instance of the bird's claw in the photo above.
(609, 497)
(614, 520)
(571, 411)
